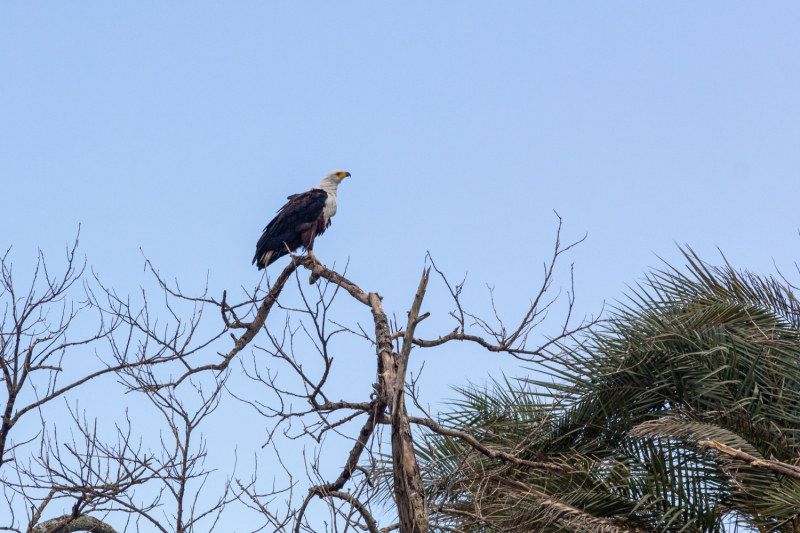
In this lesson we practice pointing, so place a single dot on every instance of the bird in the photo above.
(304, 217)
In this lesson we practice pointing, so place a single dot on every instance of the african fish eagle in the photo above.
(304, 217)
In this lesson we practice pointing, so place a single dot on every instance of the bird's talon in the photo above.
(313, 258)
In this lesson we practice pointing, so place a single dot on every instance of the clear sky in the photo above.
(180, 128)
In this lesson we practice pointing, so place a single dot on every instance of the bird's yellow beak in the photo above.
(343, 174)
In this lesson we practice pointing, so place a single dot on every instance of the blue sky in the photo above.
(180, 129)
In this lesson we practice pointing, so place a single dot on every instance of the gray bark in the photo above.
(412, 506)
(67, 524)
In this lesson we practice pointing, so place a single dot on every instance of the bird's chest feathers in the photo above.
(330, 206)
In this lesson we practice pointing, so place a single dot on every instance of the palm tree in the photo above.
(680, 414)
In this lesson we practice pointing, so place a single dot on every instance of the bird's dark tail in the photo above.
(263, 260)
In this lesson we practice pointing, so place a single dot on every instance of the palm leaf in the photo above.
(704, 353)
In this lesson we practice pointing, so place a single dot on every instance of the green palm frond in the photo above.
(707, 353)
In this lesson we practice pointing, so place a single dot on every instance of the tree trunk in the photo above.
(412, 506)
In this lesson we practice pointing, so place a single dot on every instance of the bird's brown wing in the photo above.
(298, 215)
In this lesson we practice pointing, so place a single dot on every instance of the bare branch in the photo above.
(775, 467)
(475, 443)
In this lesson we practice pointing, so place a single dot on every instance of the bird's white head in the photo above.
(332, 179)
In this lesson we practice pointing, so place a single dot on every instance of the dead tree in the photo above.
(160, 363)
(50, 332)
(55, 326)
(33, 341)
(387, 405)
